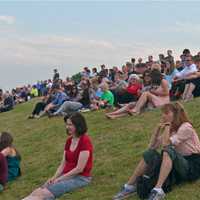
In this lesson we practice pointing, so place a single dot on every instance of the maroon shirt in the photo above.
(3, 169)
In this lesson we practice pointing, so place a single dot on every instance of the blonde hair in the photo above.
(94, 82)
(156, 65)
(104, 86)
(180, 116)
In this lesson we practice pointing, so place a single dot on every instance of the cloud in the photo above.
(7, 19)
(32, 57)
(72, 51)
(184, 27)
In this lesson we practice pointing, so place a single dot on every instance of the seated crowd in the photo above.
(131, 90)
(173, 154)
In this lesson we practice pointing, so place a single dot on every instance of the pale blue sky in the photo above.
(36, 36)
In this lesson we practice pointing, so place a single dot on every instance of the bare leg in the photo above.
(39, 194)
(189, 94)
(185, 93)
(139, 171)
(31, 198)
(123, 109)
(144, 98)
(114, 116)
(165, 169)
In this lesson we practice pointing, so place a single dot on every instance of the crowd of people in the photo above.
(135, 88)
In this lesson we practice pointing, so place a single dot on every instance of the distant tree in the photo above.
(77, 77)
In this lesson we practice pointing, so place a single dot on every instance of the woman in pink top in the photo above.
(75, 168)
(180, 153)
(157, 96)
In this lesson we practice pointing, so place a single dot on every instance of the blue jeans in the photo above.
(62, 187)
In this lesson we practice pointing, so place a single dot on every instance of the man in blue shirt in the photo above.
(60, 98)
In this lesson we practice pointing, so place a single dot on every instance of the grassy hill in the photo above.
(118, 144)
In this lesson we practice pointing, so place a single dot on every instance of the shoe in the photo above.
(36, 116)
(50, 115)
(42, 114)
(124, 193)
(156, 195)
(84, 110)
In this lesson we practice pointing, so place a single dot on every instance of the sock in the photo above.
(159, 190)
(129, 187)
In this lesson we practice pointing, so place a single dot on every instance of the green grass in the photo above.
(118, 144)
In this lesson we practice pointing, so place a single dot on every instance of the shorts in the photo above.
(62, 187)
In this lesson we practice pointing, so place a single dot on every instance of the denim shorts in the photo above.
(59, 188)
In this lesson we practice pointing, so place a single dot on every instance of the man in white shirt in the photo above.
(189, 69)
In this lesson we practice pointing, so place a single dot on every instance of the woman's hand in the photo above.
(166, 134)
(6, 152)
(155, 136)
(50, 181)
(153, 91)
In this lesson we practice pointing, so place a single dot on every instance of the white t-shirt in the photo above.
(186, 71)
(49, 85)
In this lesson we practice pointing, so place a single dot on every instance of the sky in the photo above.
(38, 36)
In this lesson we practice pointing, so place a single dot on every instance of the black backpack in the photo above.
(148, 181)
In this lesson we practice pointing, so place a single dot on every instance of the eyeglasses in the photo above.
(188, 60)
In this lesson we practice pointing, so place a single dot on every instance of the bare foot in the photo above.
(133, 112)
(109, 116)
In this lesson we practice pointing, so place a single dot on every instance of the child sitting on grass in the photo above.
(106, 100)
(9, 160)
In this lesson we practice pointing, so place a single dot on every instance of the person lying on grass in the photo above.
(75, 168)
(180, 152)
(9, 160)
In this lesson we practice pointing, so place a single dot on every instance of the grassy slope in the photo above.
(118, 147)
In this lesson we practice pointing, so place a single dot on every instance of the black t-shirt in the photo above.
(56, 76)
(85, 100)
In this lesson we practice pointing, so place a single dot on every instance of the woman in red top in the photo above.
(75, 168)
(134, 85)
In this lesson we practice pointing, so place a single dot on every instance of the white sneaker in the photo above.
(125, 193)
(156, 195)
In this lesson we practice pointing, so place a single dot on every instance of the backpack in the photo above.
(147, 182)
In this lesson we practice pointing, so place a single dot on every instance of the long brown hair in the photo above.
(6, 140)
(180, 116)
